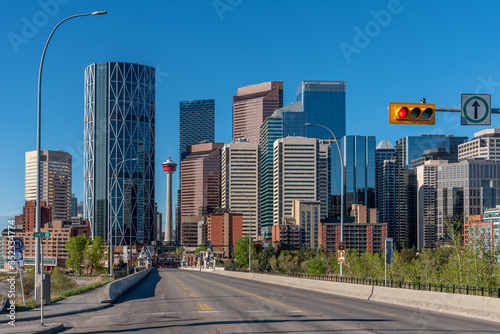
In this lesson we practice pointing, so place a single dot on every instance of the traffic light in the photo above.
(412, 113)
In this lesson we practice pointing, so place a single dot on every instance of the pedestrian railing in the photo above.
(467, 290)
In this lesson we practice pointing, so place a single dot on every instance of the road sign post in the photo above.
(341, 253)
(388, 255)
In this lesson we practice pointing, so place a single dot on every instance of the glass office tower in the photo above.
(196, 124)
(358, 153)
(119, 152)
(324, 103)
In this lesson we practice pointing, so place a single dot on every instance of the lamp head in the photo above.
(99, 12)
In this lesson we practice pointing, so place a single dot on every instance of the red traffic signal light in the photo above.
(412, 113)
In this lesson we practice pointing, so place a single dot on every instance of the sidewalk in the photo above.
(84, 302)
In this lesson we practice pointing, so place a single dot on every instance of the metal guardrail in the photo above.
(467, 290)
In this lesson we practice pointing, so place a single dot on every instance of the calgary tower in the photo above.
(169, 167)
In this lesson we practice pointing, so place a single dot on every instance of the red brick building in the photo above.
(223, 229)
(361, 232)
(27, 220)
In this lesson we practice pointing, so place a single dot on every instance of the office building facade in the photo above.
(240, 183)
(408, 149)
(484, 145)
(286, 121)
(466, 188)
(427, 183)
(252, 105)
(196, 124)
(55, 181)
(297, 173)
(358, 155)
(384, 151)
(324, 103)
(200, 184)
(119, 154)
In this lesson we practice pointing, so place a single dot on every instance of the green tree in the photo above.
(59, 282)
(241, 251)
(267, 254)
(94, 254)
(76, 248)
(203, 247)
(318, 264)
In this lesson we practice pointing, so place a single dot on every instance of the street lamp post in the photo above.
(38, 143)
(110, 226)
(250, 233)
(341, 188)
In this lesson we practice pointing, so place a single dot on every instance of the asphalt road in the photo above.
(181, 301)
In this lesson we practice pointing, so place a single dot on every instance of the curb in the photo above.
(58, 328)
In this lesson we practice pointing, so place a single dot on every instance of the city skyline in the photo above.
(344, 49)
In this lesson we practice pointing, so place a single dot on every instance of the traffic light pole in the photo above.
(493, 110)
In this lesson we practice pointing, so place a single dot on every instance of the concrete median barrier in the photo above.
(485, 308)
(116, 289)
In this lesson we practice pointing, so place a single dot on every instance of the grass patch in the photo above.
(30, 304)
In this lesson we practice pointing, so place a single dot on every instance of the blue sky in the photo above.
(384, 50)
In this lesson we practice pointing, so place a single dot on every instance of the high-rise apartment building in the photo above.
(286, 121)
(55, 181)
(119, 154)
(324, 103)
(427, 182)
(27, 220)
(484, 145)
(466, 188)
(252, 105)
(358, 155)
(297, 168)
(361, 231)
(240, 182)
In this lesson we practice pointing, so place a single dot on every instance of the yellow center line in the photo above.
(251, 294)
(205, 307)
(184, 288)
(179, 284)
(331, 301)
(295, 293)
(380, 312)
(193, 295)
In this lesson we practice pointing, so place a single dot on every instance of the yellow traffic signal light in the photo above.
(412, 113)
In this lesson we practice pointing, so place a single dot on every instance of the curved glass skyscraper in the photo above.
(119, 155)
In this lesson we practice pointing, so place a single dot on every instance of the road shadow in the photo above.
(144, 289)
